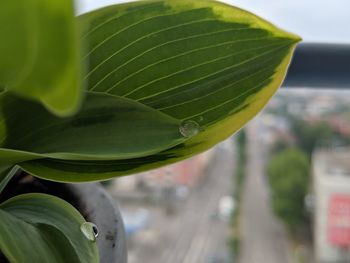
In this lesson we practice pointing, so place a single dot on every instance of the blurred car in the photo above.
(136, 221)
(227, 206)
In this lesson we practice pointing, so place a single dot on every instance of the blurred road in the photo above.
(263, 238)
(193, 234)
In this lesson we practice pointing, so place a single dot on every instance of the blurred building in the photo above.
(320, 105)
(182, 174)
(331, 179)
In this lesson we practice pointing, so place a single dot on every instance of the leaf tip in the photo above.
(288, 35)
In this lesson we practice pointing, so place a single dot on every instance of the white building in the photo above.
(331, 180)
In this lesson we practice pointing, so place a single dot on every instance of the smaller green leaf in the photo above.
(43, 228)
(107, 127)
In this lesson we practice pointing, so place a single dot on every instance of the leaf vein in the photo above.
(155, 47)
(193, 81)
(214, 91)
(135, 41)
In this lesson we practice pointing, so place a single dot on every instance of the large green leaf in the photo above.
(39, 52)
(43, 228)
(200, 61)
(107, 127)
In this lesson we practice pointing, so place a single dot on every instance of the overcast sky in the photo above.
(314, 20)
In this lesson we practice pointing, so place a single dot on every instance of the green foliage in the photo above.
(165, 80)
(199, 61)
(43, 228)
(288, 174)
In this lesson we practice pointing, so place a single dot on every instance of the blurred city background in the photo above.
(278, 191)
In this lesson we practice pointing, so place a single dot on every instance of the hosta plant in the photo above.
(116, 91)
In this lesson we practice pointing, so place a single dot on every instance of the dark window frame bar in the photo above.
(320, 66)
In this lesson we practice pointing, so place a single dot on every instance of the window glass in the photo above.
(277, 191)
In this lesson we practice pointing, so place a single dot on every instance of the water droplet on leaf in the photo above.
(89, 230)
(189, 128)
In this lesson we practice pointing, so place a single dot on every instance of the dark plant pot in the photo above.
(103, 211)
(92, 201)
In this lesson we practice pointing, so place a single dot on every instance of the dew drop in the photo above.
(90, 231)
(189, 128)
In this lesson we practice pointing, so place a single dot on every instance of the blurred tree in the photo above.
(288, 175)
(241, 144)
(239, 176)
(279, 146)
(309, 135)
(241, 137)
